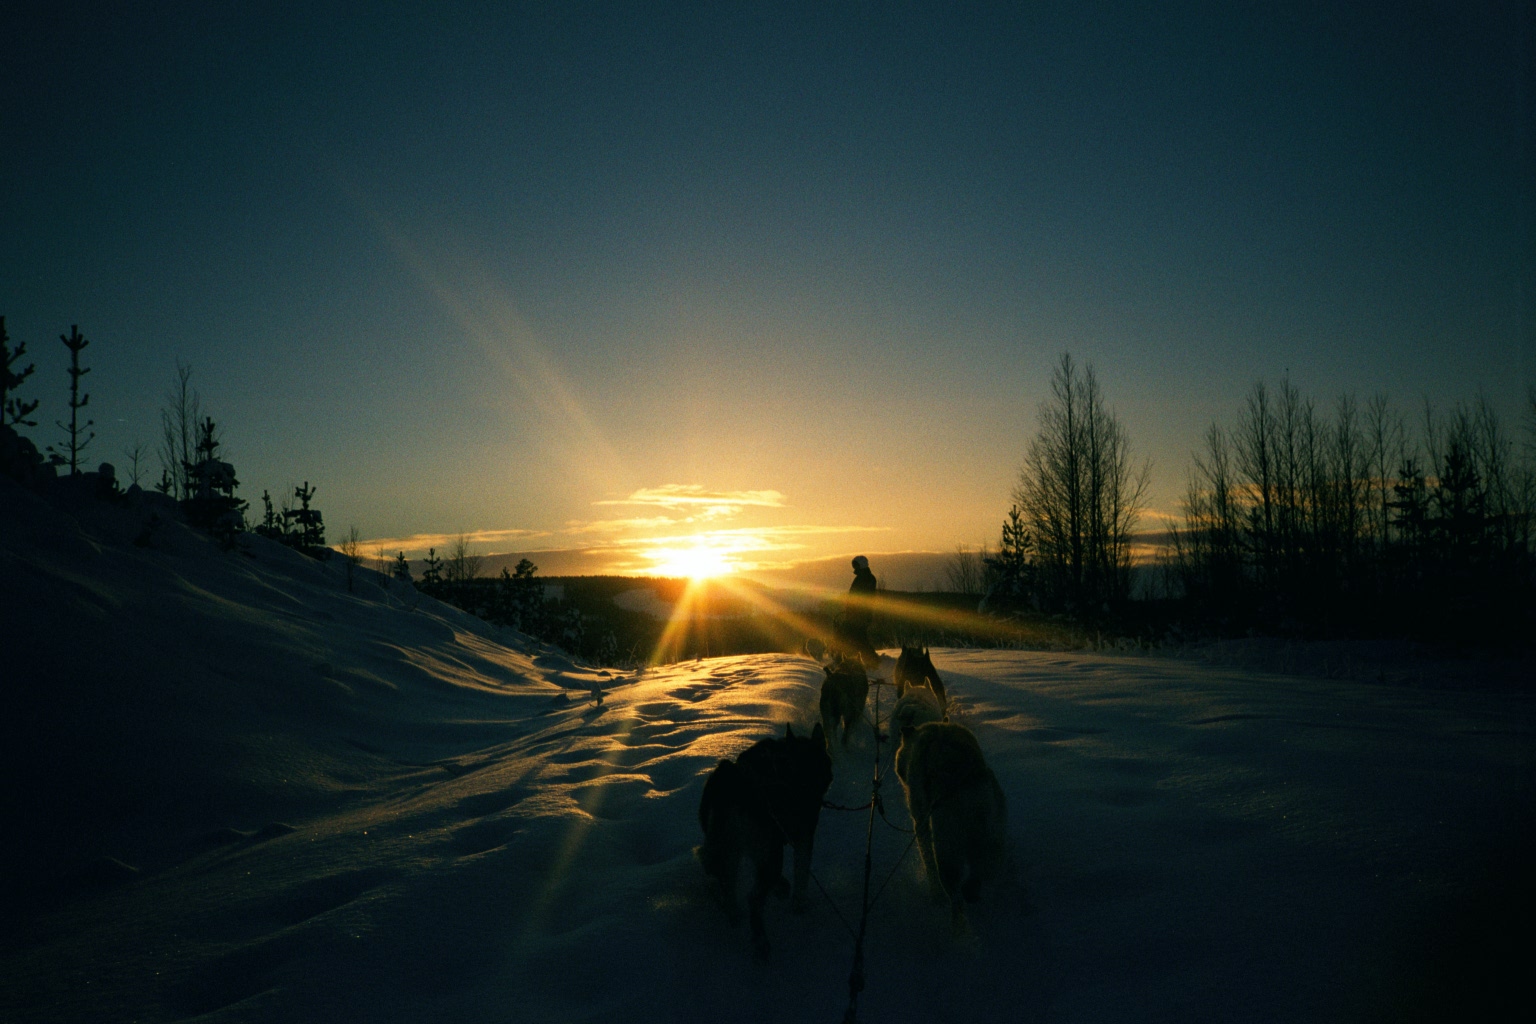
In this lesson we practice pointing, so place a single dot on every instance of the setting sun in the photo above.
(697, 562)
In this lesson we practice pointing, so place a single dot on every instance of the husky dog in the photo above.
(959, 815)
(918, 706)
(915, 668)
(769, 796)
(843, 693)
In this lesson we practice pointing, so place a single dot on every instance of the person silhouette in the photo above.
(859, 613)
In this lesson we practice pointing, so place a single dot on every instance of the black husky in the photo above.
(915, 668)
(769, 796)
(843, 694)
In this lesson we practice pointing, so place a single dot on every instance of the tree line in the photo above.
(1358, 519)
(515, 598)
(1294, 519)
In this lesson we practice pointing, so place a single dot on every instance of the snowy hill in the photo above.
(238, 791)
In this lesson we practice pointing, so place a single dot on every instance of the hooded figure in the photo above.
(859, 612)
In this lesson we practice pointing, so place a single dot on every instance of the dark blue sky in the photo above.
(477, 268)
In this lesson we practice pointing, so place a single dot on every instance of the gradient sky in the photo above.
(562, 275)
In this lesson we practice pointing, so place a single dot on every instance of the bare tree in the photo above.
(1208, 550)
(1384, 440)
(351, 550)
(1080, 494)
(462, 566)
(136, 456)
(179, 417)
(964, 572)
(1256, 460)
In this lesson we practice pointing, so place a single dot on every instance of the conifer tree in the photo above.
(270, 524)
(1009, 573)
(402, 568)
(432, 575)
(304, 524)
(75, 342)
(527, 596)
(212, 504)
(13, 411)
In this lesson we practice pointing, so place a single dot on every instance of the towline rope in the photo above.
(874, 805)
(856, 974)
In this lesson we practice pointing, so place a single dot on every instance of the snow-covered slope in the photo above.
(365, 805)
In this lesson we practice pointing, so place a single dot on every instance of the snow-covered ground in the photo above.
(238, 791)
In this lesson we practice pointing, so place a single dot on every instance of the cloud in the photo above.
(694, 498)
(607, 526)
(418, 543)
(687, 521)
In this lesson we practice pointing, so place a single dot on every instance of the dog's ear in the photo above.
(789, 731)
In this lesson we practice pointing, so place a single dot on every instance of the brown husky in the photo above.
(958, 811)
(843, 693)
(769, 796)
(915, 668)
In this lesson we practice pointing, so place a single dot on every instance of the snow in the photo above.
(240, 792)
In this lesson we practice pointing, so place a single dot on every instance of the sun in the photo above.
(696, 563)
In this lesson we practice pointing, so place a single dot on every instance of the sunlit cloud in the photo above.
(681, 540)
(610, 526)
(695, 499)
(419, 543)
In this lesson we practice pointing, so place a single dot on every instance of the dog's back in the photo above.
(769, 796)
(958, 810)
(915, 668)
(843, 694)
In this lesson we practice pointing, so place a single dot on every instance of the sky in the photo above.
(669, 285)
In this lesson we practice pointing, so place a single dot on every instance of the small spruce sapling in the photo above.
(270, 526)
(304, 524)
(402, 568)
(75, 445)
(212, 504)
(13, 411)
(432, 573)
